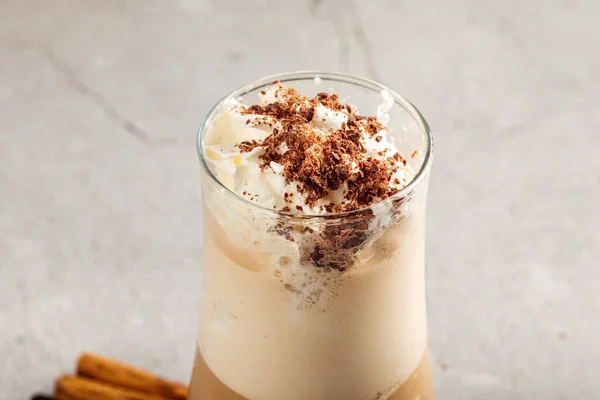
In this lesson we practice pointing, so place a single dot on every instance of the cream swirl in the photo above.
(253, 172)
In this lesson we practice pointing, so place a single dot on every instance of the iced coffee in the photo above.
(313, 246)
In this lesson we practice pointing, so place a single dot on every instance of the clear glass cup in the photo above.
(316, 307)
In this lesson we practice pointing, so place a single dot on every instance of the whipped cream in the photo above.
(248, 172)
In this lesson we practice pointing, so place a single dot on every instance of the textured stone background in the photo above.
(99, 197)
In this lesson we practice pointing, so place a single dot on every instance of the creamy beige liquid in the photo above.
(205, 385)
(259, 340)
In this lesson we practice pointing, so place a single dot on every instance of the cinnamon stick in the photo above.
(77, 388)
(106, 370)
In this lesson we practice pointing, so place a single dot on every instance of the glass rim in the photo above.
(326, 76)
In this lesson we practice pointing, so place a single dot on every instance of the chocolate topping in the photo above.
(323, 162)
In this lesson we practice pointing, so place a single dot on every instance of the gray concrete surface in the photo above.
(99, 194)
